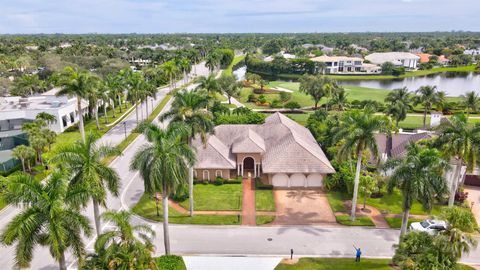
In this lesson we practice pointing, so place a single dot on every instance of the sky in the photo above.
(240, 16)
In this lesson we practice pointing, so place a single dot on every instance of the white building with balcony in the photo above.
(346, 65)
(405, 59)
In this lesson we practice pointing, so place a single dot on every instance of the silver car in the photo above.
(432, 227)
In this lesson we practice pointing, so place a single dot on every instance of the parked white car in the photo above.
(430, 226)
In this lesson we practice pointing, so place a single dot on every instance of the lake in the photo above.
(453, 83)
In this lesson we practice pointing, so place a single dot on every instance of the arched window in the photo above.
(206, 175)
(218, 173)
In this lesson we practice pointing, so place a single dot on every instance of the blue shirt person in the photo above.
(358, 253)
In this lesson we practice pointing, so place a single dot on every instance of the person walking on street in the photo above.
(358, 253)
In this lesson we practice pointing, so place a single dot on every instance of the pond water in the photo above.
(453, 83)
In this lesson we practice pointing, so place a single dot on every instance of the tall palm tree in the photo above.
(419, 176)
(112, 85)
(185, 67)
(78, 83)
(427, 96)
(136, 91)
(84, 161)
(170, 69)
(46, 117)
(26, 85)
(49, 217)
(120, 248)
(163, 164)
(209, 83)
(471, 101)
(357, 131)
(399, 103)
(461, 141)
(25, 154)
(189, 108)
(212, 61)
(194, 57)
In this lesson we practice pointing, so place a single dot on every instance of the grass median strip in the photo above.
(359, 221)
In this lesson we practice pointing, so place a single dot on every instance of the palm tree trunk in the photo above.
(190, 182)
(61, 262)
(356, 184)
(105, 113)
(120, 103)
(229, 100)
(136, 113)
(166, 235)
(146, 106)
(113, 109)
(403, 229)
(96, 216)
(425, 118)
(453, 187)
(316, 105)
(141, 109)
(97, 123)
(23, 164)
(80, 118)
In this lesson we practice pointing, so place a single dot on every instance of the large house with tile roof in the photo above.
(280, 152)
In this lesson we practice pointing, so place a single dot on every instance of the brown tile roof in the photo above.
(286, 146)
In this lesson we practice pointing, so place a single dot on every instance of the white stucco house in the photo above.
(405, 59)
(280, 152)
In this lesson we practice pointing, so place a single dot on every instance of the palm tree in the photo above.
(229, 86)
(77, 83)
(399, 103)
(84, 161)
(24, 153)
(49, 136)
(419, 176)
(212, 61)
(209, 83)
(339, 99)
(137, 91)
(120, 248)
(471, 101)
(38, 143)
(357, 131)
(46, 117)
(185, 67)
(163, 164)
(49, 217)
(427, 96)
(462, 141)
(189, 108)
(194, 58)
(26, 85)
(170, 69)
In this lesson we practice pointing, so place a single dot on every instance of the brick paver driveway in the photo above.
(302, 207)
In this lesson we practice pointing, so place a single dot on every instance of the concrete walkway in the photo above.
(474, 197)
(377, 217)
(231, 263)
(248, 203)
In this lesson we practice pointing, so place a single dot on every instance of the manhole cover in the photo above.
(269, 239)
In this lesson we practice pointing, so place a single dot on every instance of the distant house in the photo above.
(472, 52)
(345, 64)
(405, 59)
(280, 152)
(425, 58)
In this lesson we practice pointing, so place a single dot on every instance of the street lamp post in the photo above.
(125, 129)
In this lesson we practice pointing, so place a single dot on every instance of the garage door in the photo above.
(280, 180)
(297, 180)
(315, 180)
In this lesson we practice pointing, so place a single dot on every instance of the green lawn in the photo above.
(212, 197)
(264, 200)
(359, 221)
(300, 118)
(236, 60)
(336, 264)
(147, 209)
(302, 99)
(391, 203)
(396, 222)
(170, 262)
(261, 220)
(2, 202)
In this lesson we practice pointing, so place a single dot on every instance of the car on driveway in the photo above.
(432, 227)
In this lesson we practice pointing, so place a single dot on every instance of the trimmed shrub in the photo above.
(252, 98)
(276, 104)
(219, 181)
(292, 105)
(260, 185)
(170, 262)
(285, 96)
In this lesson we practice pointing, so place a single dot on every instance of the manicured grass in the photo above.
(464, 267)
(396, 222)
(236, 60)
(359, 221)
(262, 220)
(147, 209)
(335, 199)
(302, 99)
(300, 118)
(336, 264)
(413, 122)
(211, 197)
(391, 203)
(170, 262)
(264, 200)
(2, 202)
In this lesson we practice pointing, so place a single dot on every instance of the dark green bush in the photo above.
(260, 185)
(170, 262)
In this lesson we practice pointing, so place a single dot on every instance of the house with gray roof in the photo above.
(280, 152)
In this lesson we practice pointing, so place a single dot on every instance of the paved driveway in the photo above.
(474, 196)
(302, 207)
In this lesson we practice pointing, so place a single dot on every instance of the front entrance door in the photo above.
(248, 166)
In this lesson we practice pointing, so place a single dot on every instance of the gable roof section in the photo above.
(213, 155)
(252, 143)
